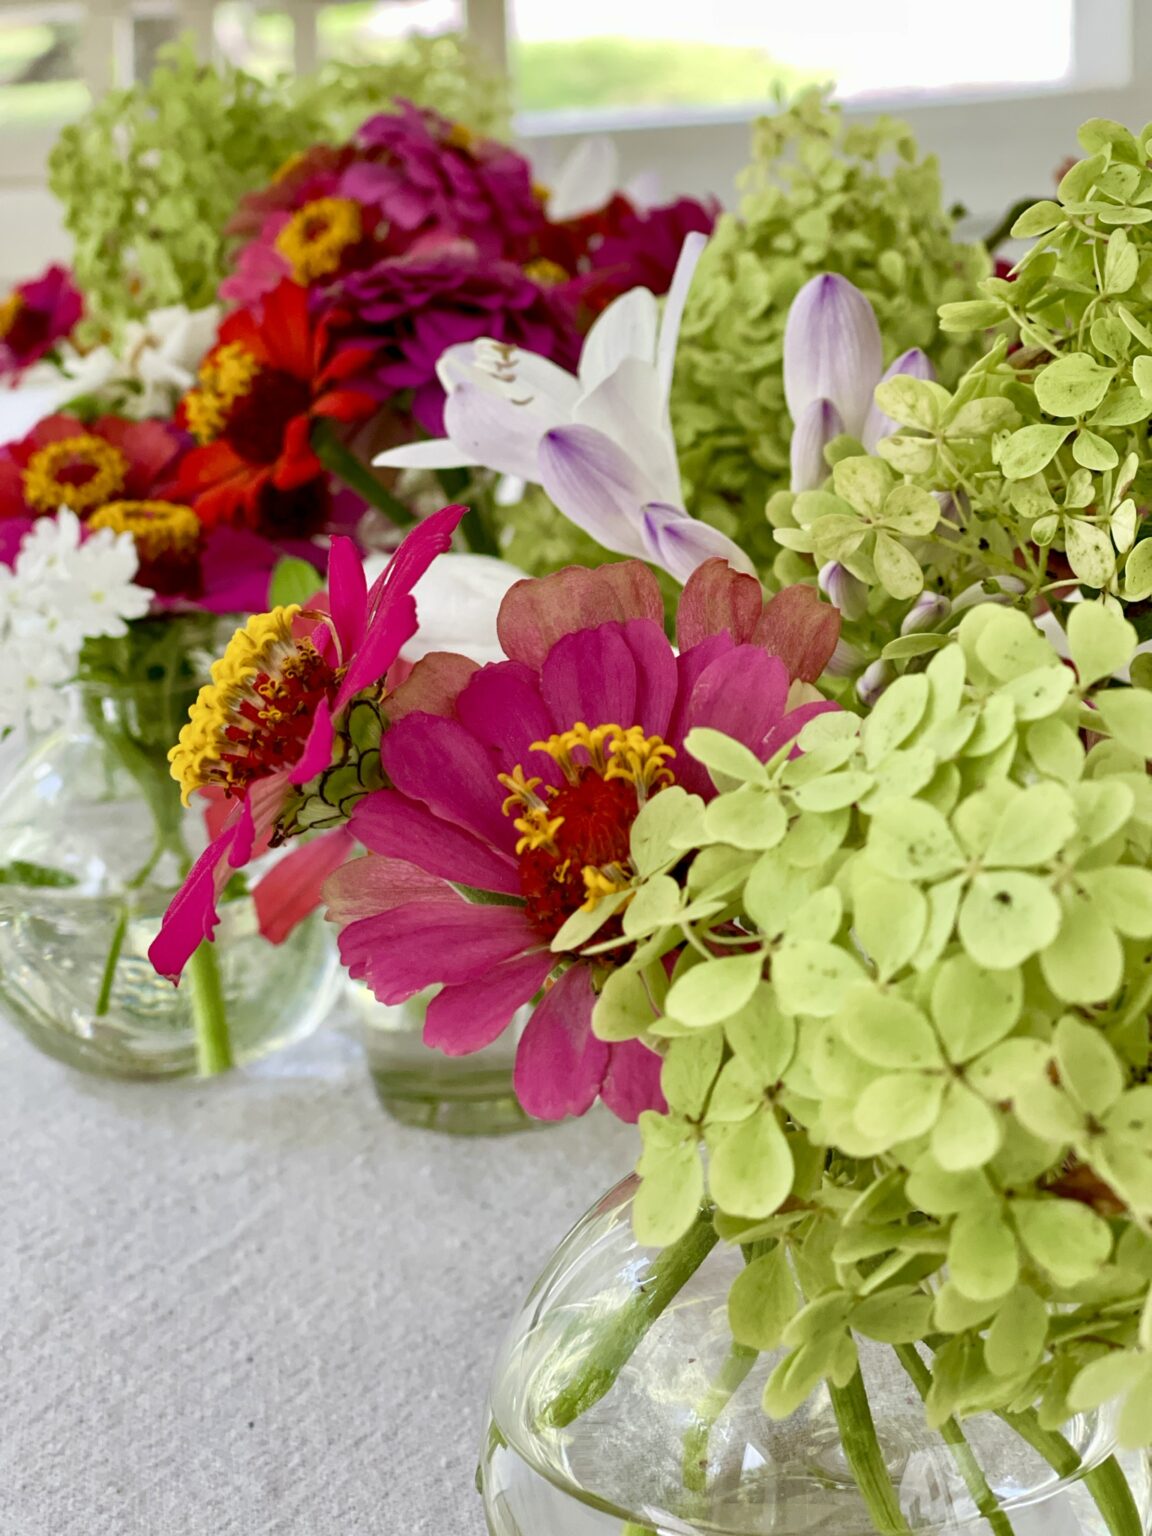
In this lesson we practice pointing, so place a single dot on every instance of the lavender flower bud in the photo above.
(846, 660)
(845, 591)
(926, 612)
(1010, 586)
(880, 675)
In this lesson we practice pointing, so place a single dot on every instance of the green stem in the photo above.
(737, 1363)
(1106, 1483)
(340, 461)
(862, 1448)
(107, 979)
(476, 525)
(213, 1042)
(667, 1276)
(974, 1480)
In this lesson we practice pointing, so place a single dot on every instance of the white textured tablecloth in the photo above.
(258, 1305)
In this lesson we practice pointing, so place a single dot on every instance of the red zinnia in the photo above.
(261, 389)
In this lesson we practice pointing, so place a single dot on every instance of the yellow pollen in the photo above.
(459, 136)
(541, 191)
(226, 374)
(613, 753)
(539, 830)
(315, 238)
(264, 645)
(10, 312)
(521, 791)
(159, 527)
(600, 883)
(44, 488)
(545, 272)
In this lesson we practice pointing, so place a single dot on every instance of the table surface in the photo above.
(258, 1305)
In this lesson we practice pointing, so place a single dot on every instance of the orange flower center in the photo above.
(575, 840)
(79, 472)
(239, 399)
(314, 240)
(10, 309)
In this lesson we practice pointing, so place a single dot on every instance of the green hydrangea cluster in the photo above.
(901, 981)
(822, 195)
(1031, 476)
(150, 176)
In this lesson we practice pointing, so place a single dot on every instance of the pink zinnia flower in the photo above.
(266, 723)
(522, 779)
(35, 316)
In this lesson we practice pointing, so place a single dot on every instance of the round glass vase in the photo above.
(620, 1406)
(459, 1095)
(94, 843)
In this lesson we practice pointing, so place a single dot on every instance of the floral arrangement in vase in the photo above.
(843, 897)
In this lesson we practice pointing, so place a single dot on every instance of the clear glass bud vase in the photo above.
(93, 845)
(621, 1406)
(459, 1095)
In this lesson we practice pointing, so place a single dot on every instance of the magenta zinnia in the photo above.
(523, 779)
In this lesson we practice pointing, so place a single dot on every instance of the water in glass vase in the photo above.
(672, 1439)
(93, 845)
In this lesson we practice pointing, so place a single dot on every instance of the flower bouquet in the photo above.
(844, 898)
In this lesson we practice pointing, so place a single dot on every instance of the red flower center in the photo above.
(575, 843)
(258, 420)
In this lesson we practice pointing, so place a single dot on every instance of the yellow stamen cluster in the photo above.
(47, 492)
(600, 883)
(538, 830)
(459, 136)
(226, 374)
(314, 240)
(545, 272)
(10, 312)
(264, 645)
(613, 753)
(159, 527)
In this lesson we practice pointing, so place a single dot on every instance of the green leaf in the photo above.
(583, 925)
(749, 817)
(1086, 963)
(1065, 1238)
(912, 841)
(1090, 552)
(1007, 916)
(1040, 219)
(982, 1260)
(1122, 894)
(1072, 386)
(1033, 827)
(1125, 406)
(689, 1070)
(665, 825)
(656, 904)
(1105, 1379)
(899, 1315)
(721, 755)
(814, 978)
(712, 991)
(762, 1301)
(1100, 641)
(1138, 572)
(1040, 693)
(912, 511)
(1056, 749)
(671, 1182)
(899, 1106)
(761, 1035)
(890, 917)
(293, 581)
(887, 1030)
(1127, 712)
(832, 791)
(864, 483)
(25, 872)
(1030, 449)
(912, 402)
(973, 1007)
(897, 568)
(750, 1166)
(971, 314)
(624, 1009)
(896, 714)
(967, 1133)
(1016, 1339)
(1094, 452)
(1121, 263)
(1090, 1070)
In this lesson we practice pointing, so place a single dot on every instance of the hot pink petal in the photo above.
(466, 1018)
(440, 763)
(347, 594)
(591, 676)
(656, 679)
(632, 1082)
(317, 754)
(560, 1063)
(503, 708)
(389, 823)
(367, 886)
(391, 628)
(537, 612)
(791, 726)
(291, 889)
(742, 693)
(400, 952)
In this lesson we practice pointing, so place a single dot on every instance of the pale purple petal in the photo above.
(389, 823)
(597, 486)
(679, 543)
(434, 453)
(496, 432)
(832, 350)
(674, 305)
(626, 329)
(560, 1064)
(466, 1018)
(819, 423)
(918, 365)
(627, 407)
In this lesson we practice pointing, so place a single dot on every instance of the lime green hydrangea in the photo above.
(901, 983)
(822, 195)
(150, 176)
